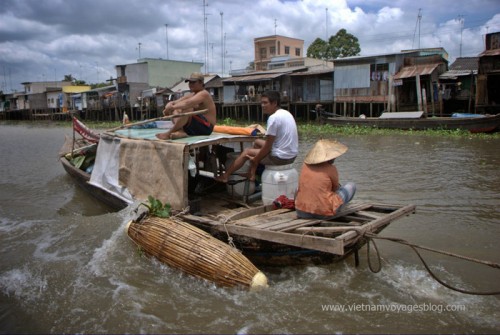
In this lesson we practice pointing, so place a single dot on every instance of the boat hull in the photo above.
(82, 179)
(270, 254)
(484, 124)
(259, 252)
(265, 235)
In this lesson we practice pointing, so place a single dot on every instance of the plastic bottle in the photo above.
(125, 118)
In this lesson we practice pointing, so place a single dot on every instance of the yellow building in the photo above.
(269, 47)
(75, 89)
(72, 98)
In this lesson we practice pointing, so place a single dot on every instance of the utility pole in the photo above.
(139, 48)
(417, 25)
(97, 70)
(222, 42)
(212, 57)
(166, 32)
(276, 47)
(419, 20)
(326, 25)
(461, 21)
(205, 30)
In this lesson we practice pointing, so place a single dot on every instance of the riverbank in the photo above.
(306, 129)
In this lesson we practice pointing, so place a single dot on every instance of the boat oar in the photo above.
(163, 118)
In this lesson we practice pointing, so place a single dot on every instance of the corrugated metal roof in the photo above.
(454, 74)
(282, 70)
(183, 86)
(312, 72)
(412, 71)
(213, 83)
(76, 89)
(492, 52)
(255, 77)
(465, 63)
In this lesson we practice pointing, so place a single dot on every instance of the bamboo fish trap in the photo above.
(185, 247)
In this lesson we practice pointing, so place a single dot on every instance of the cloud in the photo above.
(87, 38)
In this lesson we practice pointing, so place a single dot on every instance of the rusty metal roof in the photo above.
(412, 71)
(251, 78)
(465, 63)
(492, 52)
(454, 74)
(312, 72)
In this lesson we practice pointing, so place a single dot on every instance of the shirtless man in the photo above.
(198, 99)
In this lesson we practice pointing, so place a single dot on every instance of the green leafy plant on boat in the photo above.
(157, 208)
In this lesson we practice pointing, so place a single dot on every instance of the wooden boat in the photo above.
(180, 172)
(276, 237)
(415, 121)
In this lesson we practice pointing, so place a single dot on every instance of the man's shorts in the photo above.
(273, 160)
(198, 125)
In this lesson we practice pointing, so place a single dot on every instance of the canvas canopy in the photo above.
(132, 165)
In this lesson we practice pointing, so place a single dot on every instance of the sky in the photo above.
(44, 40)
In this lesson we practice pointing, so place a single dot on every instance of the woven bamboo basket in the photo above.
(185, 247)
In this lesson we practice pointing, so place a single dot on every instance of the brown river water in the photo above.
(67, 266)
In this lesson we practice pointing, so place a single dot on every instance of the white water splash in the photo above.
(24, 284)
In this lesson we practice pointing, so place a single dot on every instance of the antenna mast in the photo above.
(222, 42)
(166, 37)
(461, 21)
(419, 18)
(205, 29)
(326, 24)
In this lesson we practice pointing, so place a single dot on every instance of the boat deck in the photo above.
(282, 226)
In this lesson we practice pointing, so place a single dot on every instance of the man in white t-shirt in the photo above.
(281, 145)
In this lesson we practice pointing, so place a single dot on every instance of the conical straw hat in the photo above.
(325, 150)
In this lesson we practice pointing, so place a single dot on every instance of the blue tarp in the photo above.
(466, 115)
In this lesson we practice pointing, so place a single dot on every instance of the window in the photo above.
(263, 53)
(297, 52)
(272, 50)
(379, 72)
(287, 50)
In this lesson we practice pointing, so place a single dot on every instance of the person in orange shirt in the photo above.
(320, 195)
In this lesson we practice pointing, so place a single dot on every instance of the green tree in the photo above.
(317, 49)
(341, 45)
(68, 77)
